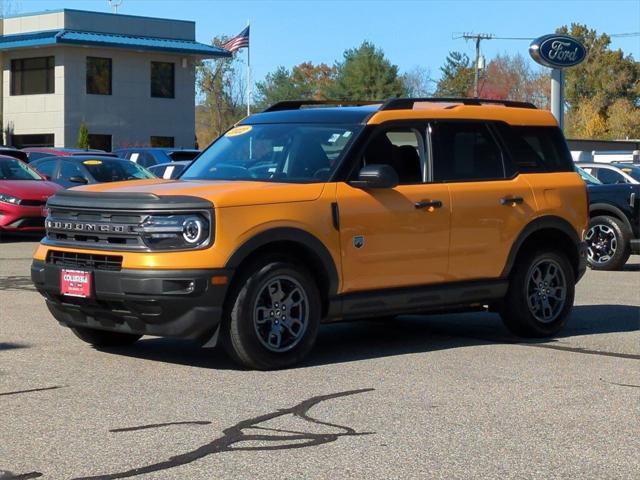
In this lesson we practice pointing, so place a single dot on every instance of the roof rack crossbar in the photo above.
(298, 104)
(407, 103)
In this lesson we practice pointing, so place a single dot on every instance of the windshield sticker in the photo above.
(346, 134)
(234, 132)
(134, 157)
(334, 138)
(92, 162)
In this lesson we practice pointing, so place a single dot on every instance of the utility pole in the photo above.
(478, 37)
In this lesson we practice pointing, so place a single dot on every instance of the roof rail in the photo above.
(298, 104)
(407, 103)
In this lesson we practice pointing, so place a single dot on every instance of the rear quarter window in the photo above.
(536, 149)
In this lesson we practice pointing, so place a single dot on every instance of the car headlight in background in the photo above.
(9, 199)
(174, 232)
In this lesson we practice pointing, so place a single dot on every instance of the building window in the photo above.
(32, 76)
(163, 79)
(165, 142)
(98, 76)
(100, 142)
(33, 140)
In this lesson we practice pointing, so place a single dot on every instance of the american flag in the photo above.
(239, 41)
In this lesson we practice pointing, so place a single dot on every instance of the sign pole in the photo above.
(557, 95)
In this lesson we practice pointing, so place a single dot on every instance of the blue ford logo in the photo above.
(557, 51)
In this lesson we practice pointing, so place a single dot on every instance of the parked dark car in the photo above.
(77, 170)
(36, 153)
(609, 173)
(13, 152)
(169, 170)
(149, 156)
(23, 195)
(614, 227)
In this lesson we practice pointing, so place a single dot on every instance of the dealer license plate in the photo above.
(75, 283)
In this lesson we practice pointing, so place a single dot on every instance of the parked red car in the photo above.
(23, 196)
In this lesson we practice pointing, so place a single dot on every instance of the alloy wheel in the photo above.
(281, 313)
(546, 290)
(602, 243)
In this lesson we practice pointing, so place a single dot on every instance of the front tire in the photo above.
(274, 316)
(103, 338)
(540, 295)
(608, 243)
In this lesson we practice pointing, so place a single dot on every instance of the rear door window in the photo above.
(536, 149)
(465, 151)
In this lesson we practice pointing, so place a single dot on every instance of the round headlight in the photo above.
(192, 230)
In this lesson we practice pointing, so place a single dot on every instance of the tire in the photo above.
(540, 294)
(253, 334)
(608, 243)
(103, 338)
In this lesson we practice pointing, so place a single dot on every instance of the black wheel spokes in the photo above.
(281, 314)
(546, 290)
(602, 243)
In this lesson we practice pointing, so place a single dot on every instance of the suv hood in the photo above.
(220, 193)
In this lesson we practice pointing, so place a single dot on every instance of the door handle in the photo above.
(428, 204)
(510, 201)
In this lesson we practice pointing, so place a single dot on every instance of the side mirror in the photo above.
(376, 176)
(45, 177)
(78, 179)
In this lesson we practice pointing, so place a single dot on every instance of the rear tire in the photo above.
(540, 295)
(103, 338)
(273, 317)
(608, 243)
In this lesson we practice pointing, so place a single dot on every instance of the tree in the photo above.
(603, 92)
(623, 119)
(83, 136)
(221, 89)
(417, 82)
(304, 82)
(510, 77)
(366, 74)
(604, 71)
(457, 76)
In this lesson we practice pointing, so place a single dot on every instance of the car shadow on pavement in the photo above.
(368, 339)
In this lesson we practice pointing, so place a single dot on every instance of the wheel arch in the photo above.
(303, 246)
(550, 231)
(606, 209)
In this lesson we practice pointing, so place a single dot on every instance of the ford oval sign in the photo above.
(557, 51)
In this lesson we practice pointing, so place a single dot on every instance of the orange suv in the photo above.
(314, 212)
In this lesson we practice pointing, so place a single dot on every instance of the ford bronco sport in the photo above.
(309, 213)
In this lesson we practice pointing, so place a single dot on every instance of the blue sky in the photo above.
(411, 33)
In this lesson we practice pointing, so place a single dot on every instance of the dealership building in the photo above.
(130, 79)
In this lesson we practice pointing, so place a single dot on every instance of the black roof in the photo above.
(345, 115)
(350, 112)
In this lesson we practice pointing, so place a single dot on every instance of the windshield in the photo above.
(632, 170)
(11, 169)
(300, 153)
(104, 170)
(587, 177)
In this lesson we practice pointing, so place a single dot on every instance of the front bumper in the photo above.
(18, 218)
(144, 302)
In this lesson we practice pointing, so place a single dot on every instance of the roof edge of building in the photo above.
(61, 10)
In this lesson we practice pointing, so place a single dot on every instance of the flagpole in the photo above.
(248, 75)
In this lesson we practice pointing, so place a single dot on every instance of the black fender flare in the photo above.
(540, 223)
(615, 211)
(288, 234)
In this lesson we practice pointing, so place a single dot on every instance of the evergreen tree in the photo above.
(83, 136)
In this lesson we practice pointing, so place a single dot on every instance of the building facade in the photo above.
(130, 79)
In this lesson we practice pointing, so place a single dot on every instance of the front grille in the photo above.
(32, 203)
(85, 260)
(95, 229)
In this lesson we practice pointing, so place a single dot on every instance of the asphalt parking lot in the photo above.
(447, 396)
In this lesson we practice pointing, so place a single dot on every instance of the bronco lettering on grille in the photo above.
(85, 227)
